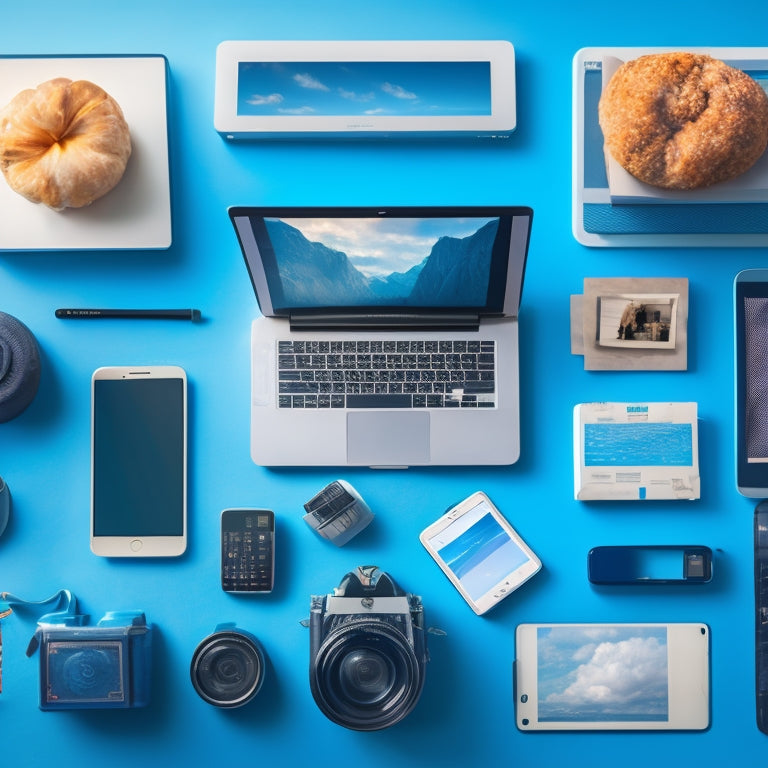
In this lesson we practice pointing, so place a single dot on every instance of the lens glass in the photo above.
(227, 669)
(366, 676)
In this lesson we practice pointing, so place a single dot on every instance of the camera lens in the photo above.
(366, 676)
(227, 668)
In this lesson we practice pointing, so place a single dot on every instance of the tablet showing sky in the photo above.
(368, 88)
(603, 673)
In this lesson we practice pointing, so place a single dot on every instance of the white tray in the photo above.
(666, 224)
(136, 214)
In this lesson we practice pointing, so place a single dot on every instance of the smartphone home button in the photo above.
(136, 545)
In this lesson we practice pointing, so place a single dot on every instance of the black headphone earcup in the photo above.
(19, 367)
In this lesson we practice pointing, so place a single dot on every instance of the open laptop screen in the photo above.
(305, 261)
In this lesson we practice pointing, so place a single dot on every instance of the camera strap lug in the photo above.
(66, 616)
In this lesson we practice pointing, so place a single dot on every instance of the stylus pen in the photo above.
(166, 314)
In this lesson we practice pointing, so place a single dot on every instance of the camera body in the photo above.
(368, 651)
(106, 666)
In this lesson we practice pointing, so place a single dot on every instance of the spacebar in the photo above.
(379, 401)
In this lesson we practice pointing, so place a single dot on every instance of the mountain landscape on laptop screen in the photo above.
(377, 262)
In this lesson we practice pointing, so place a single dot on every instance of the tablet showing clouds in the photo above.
(612, 677)
(603, 674)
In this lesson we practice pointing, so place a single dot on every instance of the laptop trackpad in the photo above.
(387, 438)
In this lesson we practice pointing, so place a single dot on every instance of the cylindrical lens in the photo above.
(366, 676)
(227, 668)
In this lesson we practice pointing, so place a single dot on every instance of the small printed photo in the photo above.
(643, 321)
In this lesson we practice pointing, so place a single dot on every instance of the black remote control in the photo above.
(247, 550)
(761, 614)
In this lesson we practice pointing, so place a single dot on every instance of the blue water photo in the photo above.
(482, 556)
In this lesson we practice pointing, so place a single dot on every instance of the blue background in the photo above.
(466, 714)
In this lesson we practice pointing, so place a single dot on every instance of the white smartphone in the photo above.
(139, 461)
(480, 552)
(612, 677)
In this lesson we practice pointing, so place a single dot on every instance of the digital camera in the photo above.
(368, 651)
(106, 666)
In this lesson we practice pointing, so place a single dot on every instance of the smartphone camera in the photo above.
(227, 668)
(368, 651)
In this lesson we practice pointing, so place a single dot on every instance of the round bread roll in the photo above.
(64, 144)
(682, 120)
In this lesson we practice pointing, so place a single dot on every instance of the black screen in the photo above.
(138, 457)
(751, 318)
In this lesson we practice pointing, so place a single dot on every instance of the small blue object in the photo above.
(107, 666)
(5, 505)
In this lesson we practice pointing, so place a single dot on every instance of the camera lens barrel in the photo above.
(227, 668)
(366, 676)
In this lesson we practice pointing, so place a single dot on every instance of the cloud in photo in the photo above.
(305, 80)
(613, 677)
(258, 100)
(398, 91)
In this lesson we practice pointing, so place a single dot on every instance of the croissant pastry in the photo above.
(64, 143)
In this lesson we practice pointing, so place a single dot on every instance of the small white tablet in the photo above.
(269, 89)
(480, 552)
(612, 677)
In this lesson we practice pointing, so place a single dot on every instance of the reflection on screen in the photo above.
(478, 551)
(602, 674)
(364, 88)
(138, 457)
(756, 395)
(386, 262)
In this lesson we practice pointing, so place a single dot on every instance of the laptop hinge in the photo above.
(384, 321)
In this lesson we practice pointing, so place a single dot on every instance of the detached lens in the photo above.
(227, 668)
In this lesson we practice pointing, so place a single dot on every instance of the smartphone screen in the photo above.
(139, 461)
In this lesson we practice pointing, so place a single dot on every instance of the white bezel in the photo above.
(687, 677)
(499, 124)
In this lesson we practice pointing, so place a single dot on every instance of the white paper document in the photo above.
(635, 451)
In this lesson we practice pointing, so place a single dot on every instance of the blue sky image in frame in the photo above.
(366, 88)
(598, 673)
(482, 556)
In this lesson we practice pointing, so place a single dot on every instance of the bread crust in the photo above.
(683, 120)
(64, 144)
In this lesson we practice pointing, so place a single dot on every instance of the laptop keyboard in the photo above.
(386, 374)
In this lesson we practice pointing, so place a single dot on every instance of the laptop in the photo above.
(388, 337)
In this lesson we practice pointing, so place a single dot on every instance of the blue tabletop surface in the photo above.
(466, 713)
